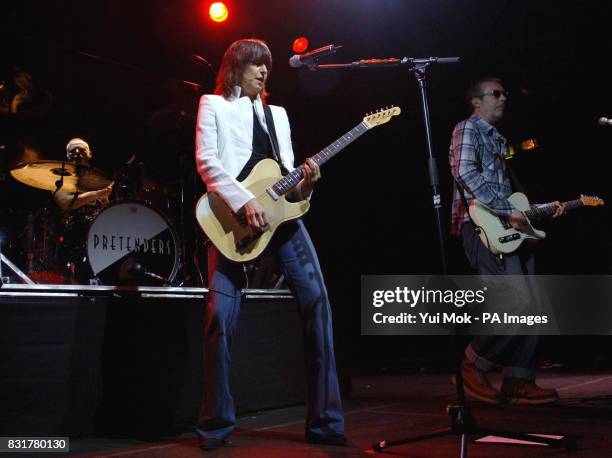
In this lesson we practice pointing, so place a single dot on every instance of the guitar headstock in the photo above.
(591, 201)
(381, 116)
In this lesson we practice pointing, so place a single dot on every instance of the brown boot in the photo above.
(526, 393)
(476, 384)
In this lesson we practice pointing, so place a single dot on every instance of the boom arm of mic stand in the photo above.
(411, 62)
(430, 60)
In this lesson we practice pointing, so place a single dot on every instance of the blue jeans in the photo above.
(297, 256)
(517, 354)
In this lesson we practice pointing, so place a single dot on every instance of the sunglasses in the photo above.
(497, 93)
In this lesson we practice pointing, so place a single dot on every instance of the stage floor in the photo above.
(389, 407)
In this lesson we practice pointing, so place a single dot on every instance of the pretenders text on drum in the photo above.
(132, 243)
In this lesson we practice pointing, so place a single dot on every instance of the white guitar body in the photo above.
(498, 235)
(232, 237)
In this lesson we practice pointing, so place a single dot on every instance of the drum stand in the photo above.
(182, 232)
(13, 268)
(192, 242)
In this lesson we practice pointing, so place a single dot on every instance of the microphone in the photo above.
(146, 273)
(138, 269)
(309, 58)
(603, 121)
(200, 60)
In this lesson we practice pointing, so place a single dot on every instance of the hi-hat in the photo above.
(48, 175)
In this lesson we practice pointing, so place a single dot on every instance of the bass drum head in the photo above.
(130, 243)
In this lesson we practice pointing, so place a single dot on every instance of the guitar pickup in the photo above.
(272, 194)
(509, 238)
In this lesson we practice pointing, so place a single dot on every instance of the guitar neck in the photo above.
(547, 210)
(290, 181)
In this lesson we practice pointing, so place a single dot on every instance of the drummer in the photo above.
(78, 151)
(79, 210)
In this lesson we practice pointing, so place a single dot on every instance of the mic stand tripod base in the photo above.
(464, 423)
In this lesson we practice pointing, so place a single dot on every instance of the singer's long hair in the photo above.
(239, 54)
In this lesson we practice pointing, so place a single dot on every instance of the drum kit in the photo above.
(128, 241)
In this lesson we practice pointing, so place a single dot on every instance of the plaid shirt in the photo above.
(478, 166)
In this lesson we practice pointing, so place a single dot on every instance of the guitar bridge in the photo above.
(246, 241)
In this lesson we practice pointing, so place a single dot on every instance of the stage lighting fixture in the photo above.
(529, 144)
(300, 45)
(218, 12)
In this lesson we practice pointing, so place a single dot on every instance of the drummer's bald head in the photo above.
(77, 149)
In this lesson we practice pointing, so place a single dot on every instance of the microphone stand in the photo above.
(462, 420)
(417, 66)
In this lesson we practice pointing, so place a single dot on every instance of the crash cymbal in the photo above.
(47, 175)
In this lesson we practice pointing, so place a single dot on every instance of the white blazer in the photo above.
(224, 143)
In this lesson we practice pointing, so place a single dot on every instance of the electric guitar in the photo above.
(500, 237)
(230, 233)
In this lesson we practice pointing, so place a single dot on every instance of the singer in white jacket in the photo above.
(232, 136)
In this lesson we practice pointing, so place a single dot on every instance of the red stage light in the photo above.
(300, 45)
(218, 12)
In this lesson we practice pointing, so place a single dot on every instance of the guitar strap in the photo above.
(274, 139)
(272, 133)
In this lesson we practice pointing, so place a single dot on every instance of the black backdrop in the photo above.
(115, 69)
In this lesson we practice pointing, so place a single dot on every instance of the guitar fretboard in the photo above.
(547, 210)
(290, 181)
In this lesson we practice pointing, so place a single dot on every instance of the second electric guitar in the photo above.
(229, 231)
(500, 237)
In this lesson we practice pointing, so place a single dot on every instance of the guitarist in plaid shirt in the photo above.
(480, 172)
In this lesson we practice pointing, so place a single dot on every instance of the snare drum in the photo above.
(132, 243)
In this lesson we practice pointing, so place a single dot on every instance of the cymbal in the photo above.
(47, 175)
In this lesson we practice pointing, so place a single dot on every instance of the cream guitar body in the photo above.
(230, 233)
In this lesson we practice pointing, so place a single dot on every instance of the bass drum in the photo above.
(130, 243)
